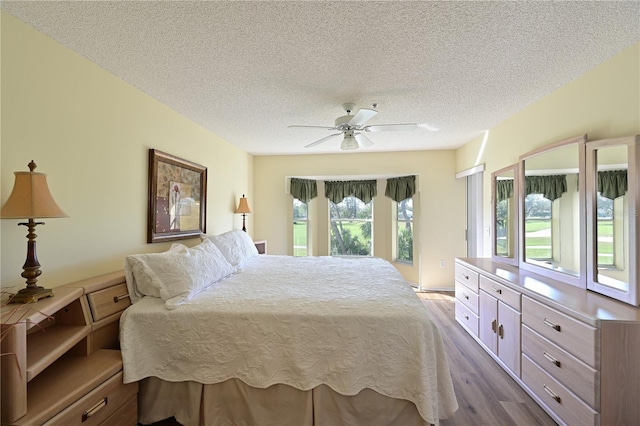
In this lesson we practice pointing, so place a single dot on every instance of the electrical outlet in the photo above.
(442, 263)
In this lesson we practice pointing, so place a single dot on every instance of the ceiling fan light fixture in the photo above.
(349, 142)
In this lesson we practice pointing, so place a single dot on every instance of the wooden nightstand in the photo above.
(261, 245)
(65, 366)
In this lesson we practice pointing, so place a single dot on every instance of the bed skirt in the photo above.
(234, 403)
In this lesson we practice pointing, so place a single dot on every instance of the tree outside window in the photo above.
(404, 231)
(351, 230)
(605, 233)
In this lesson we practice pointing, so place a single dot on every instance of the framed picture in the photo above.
(177, 198)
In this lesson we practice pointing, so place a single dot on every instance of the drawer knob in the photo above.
(465, 296)
(466, 277)
(116, 299)
(551, 359)
(93, 410)
(552, 394)
(497, 290)
(553, 325)
(466, 317)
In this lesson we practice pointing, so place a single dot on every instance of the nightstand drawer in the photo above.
(467, 277)
(97, 405)
(467, 297)
(567, 369)
(576, 337)
(108, 301)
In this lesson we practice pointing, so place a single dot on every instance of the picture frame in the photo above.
(177, 198)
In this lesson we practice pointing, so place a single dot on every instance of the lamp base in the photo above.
(31, 295)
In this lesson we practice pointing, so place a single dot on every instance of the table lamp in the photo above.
(30, 199)
(243, 207)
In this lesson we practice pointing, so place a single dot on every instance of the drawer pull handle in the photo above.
(466, 277)
(497, 290)
(551, 359)
(93, 410)
(465, 296)
(501, 331)
(466, 317)
(116, 299)
(552, 394)
(494, 324)
(556, 327)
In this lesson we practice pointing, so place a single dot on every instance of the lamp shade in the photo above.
(243, 206)
(30, 198)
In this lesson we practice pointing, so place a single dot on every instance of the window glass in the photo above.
(605, 232)
(351, 227)
(404, 231)
(300, 228)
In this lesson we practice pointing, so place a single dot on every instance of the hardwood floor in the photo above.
(486, 394)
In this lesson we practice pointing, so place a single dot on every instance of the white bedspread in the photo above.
(350, 323)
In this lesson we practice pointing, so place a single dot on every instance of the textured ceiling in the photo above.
(247, 70)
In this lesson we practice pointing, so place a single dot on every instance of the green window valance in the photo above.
(551, 187)
(304, 190)
(612, 183)
(504, 189)
(400, 188)
(364, 190)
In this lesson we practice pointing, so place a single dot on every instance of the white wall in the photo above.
(91, 132)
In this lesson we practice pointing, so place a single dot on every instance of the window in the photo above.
(605, 233)
(404, 231)
(300, 228)
(502, 227)
(351, 227)
(537, 225)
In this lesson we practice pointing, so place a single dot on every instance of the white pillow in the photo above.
(236, 246)
(139, 282)
(179, 275)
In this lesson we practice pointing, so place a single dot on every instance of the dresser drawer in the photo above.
(467, 297)
(97, 405)
(501, 292)
(576, 337)
(108, 301)
(558, 398)
(570, 371)
(466, 317)
(467, 277)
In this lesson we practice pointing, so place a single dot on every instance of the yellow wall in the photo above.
(603, 103)
(440, 217)
(91, 132)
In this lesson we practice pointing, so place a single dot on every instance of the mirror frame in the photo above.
(574, 280)
(516, 209)
(633, 210)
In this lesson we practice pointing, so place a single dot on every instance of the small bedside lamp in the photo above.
(243, 207)
(31, 199)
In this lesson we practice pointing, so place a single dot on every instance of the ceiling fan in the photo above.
(352, 126)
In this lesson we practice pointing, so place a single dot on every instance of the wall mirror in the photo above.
(504, 194)
(552, 211)
(612, 218)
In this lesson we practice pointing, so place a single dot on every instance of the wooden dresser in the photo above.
(574, 351)
(64, 365)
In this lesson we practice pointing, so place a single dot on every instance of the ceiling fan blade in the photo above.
(319, 141)
(363, 141)
(391, 127)
(312, 127)
(362, 116)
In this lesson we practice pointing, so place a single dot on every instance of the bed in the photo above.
(280, 340)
